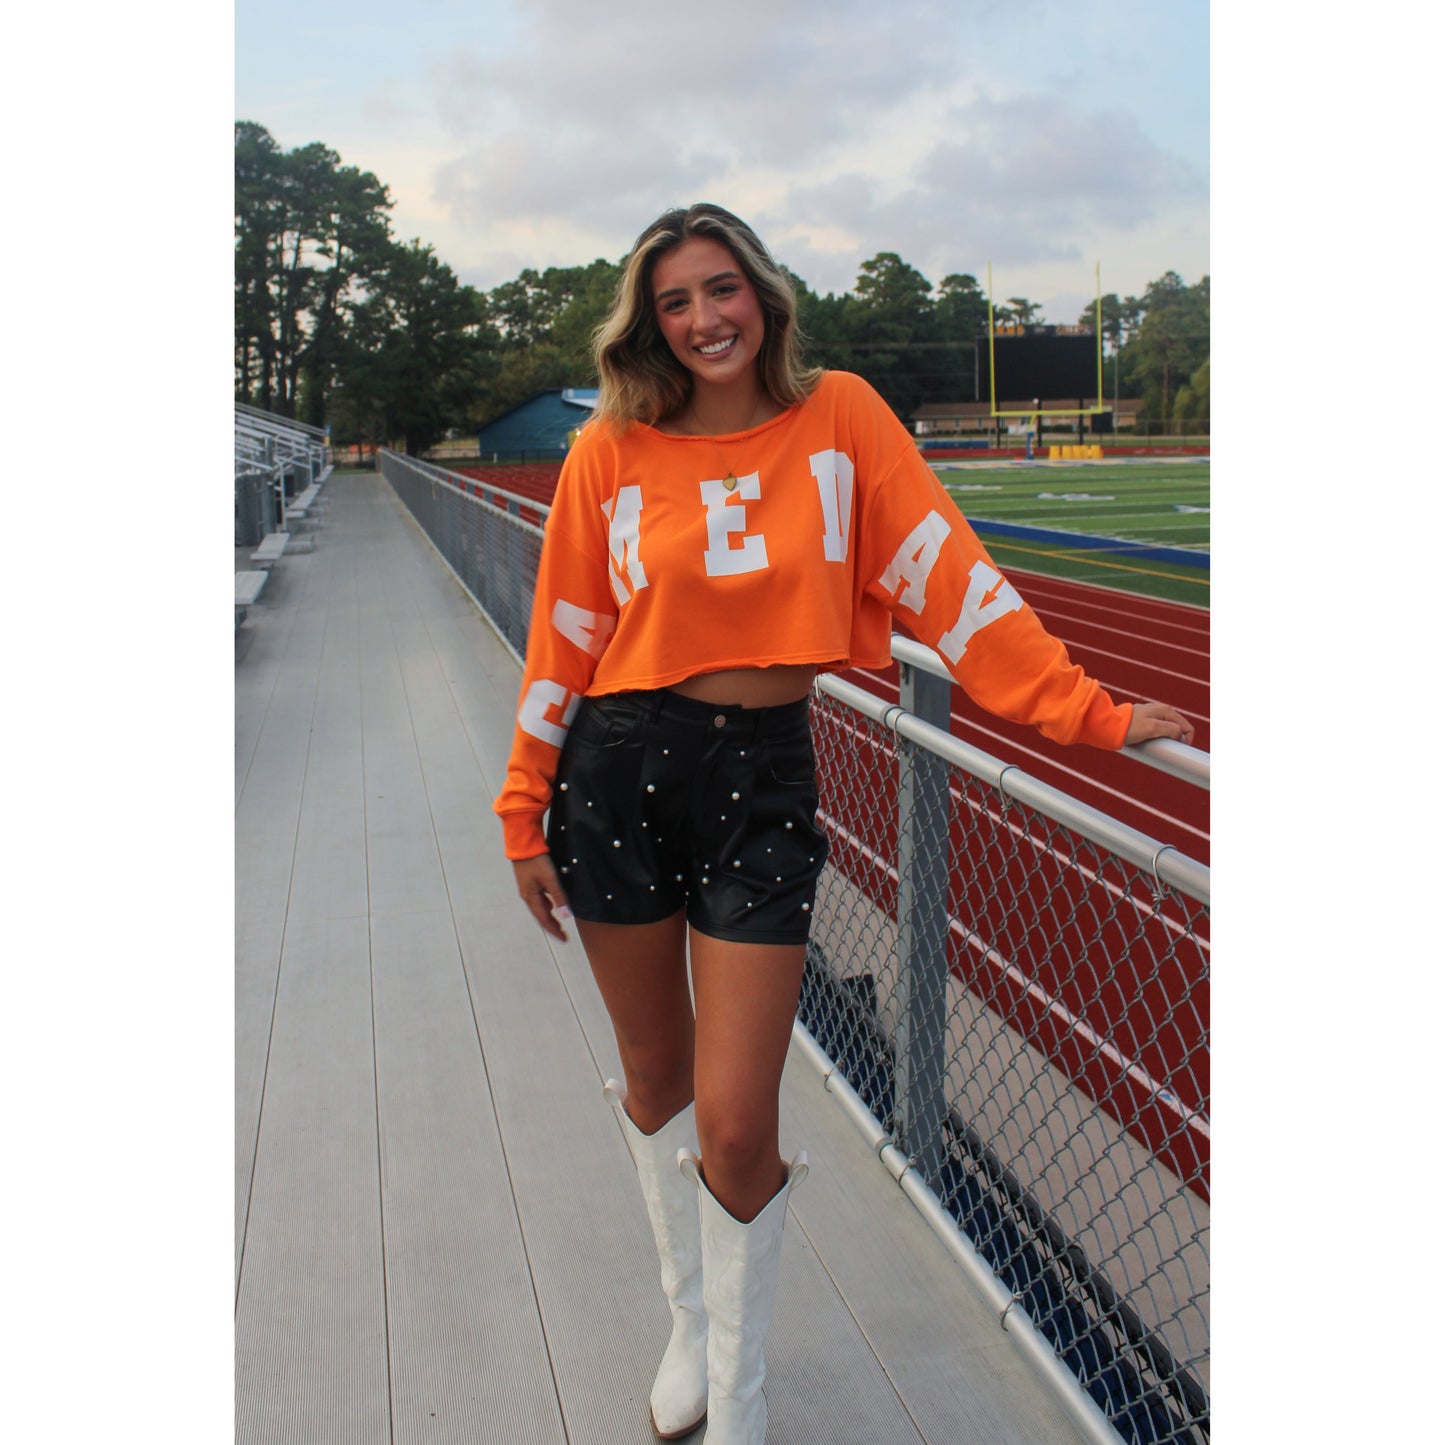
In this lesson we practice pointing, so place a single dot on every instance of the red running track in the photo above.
(1140, 985)
(1074, 952)
(1141, 650)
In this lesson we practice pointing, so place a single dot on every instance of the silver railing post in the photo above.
(275, 488)
(519, 586)
(923, 871)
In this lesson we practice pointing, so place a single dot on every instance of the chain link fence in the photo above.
(1009, 990)
(490, 538)
(1016, 988)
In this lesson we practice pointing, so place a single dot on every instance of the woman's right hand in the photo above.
(541, 891)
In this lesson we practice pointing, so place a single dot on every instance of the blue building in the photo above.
(539, 426)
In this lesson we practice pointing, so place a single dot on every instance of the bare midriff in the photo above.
(749, 686)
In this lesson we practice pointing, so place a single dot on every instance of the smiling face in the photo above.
(709, 313)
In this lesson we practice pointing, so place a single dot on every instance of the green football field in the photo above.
(1149, 502)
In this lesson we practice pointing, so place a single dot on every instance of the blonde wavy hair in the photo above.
(641, 380)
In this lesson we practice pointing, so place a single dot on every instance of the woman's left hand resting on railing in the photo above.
(1158, 720)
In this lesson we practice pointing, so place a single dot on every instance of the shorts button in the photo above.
(719, 721)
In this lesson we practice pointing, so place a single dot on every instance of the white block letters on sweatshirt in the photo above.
(913, 562)
(589, 630)
(541, 698)
(723, 519)
(977, 612)
(833, 472)
(624, 539)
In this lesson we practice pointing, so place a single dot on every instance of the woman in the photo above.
(728, 525)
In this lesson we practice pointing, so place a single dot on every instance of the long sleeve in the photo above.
(925, 563)
(574, 614)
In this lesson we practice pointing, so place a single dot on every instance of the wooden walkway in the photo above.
(439, 1235)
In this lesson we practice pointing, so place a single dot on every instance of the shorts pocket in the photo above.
(602, 725)
(791, 763)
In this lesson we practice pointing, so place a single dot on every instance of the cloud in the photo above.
(379, 108)
(955, 132)
(1032, 157)
(1025, 181)
(542, 177)
(590, 113)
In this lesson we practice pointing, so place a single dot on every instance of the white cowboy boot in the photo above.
(679, 1394)
(740, 1283)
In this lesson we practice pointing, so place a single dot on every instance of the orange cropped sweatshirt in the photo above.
(793, 542)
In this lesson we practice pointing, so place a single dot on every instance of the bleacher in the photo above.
(281, 467)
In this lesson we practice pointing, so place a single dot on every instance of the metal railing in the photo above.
(490, 538)
(274, 459)
(283, 426)
(1008, 992)
(1014, 987)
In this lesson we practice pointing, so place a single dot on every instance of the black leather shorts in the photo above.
(662, 802)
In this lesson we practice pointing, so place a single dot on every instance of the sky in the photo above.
(1035, 138)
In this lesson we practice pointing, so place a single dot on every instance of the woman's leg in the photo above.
(641, 973)
(747, 998)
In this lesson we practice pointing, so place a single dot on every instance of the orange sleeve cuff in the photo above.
(1106, 723)
(522, 835)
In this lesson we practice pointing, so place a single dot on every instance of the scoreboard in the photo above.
(1019, 363)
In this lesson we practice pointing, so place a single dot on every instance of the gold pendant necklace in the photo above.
(730, 478)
